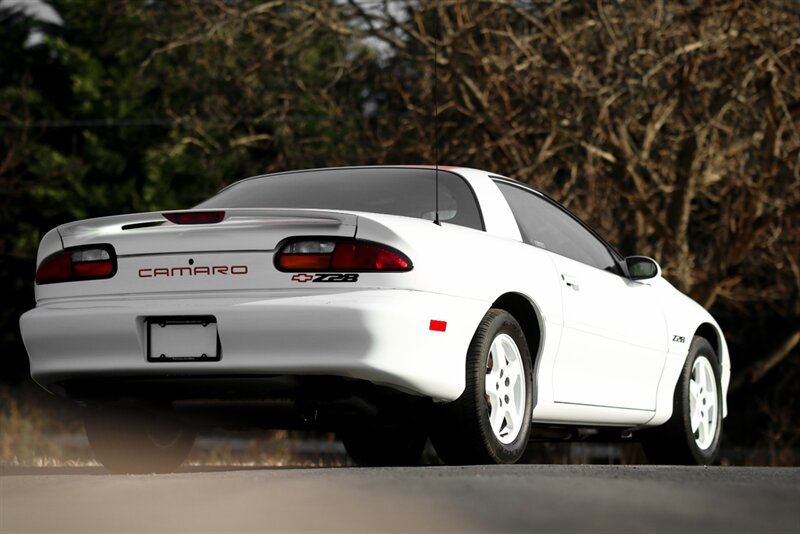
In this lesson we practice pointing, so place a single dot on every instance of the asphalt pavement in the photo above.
(415, 499)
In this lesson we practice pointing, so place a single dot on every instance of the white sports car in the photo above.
(362, 300)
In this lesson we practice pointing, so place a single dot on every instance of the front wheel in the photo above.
(127, 441)
(491, 421)
(692, 435)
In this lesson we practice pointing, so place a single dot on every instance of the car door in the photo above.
(614, 340)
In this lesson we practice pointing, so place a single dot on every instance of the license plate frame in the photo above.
(191, 338)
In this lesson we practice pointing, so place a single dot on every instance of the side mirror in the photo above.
(642, 267)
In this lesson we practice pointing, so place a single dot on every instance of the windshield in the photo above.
(393, 191)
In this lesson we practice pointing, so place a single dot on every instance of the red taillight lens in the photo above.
(195, 217)
(366, 257)
(340, 256)
(84, 263)
(94, 269)
(55, 268)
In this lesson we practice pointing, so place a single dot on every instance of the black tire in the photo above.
(128, 442)
(375, 446)
(674, 442)
(461, 431)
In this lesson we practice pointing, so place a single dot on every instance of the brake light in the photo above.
(55, 268)
(194, 217)
(84, 263)
(340, 256)
(361, 256)
(95, 269)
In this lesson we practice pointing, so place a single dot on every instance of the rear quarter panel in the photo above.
(476, 265)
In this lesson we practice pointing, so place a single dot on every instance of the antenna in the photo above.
(436, 116)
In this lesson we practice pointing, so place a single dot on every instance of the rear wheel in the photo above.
(137, 441)
(692, 435)
(385, 445)
(491, 421)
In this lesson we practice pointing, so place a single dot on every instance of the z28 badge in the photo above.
(326, 277)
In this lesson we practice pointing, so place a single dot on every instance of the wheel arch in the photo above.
(526, 314)
(529, 318)
(710, 333)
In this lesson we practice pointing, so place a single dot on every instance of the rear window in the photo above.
(407, 192)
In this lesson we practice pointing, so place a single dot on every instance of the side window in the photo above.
(545, 225)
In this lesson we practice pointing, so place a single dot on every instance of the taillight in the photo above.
(79, 263)
(361, 256)
(194, 217)
(319, 255)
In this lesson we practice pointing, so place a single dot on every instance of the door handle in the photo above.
(571, 281)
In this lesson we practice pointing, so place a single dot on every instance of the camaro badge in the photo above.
(194, 271)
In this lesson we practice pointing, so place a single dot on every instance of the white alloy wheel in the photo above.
(703, 403)
(693, 433)
(490, 422)
(505, 388)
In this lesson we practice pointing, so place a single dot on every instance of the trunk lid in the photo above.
(157, 256)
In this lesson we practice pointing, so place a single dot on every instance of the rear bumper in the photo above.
(381, 336)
